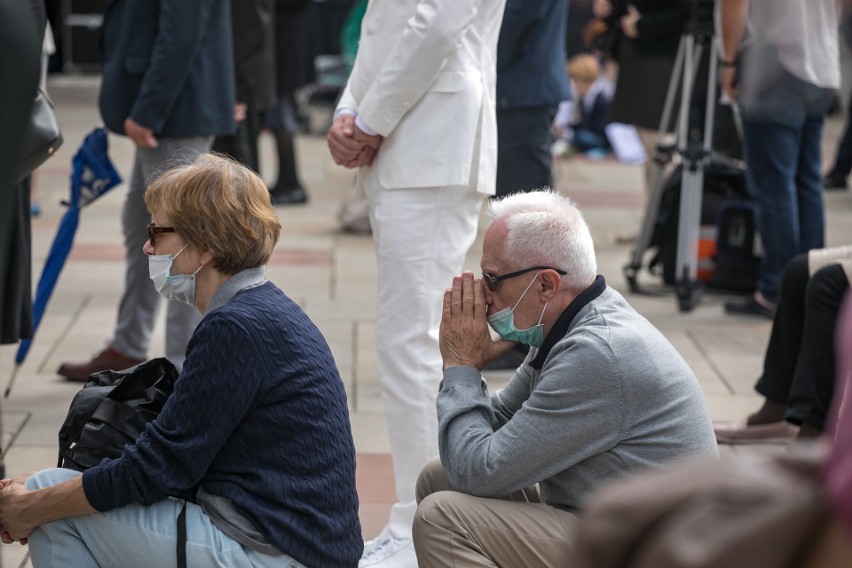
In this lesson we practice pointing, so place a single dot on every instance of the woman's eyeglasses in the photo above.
(154, 230)
(491, 280)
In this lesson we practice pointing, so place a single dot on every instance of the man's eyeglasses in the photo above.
(154, 230)
(491, 280)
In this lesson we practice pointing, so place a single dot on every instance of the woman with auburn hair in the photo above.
(258, 420)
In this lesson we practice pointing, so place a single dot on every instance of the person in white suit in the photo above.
(417, 118)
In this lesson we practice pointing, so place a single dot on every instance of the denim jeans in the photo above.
(783, 172)
(137, 535)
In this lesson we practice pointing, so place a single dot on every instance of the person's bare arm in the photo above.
(22, 510)
(733, 20)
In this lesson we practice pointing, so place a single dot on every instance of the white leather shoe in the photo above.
(387, 551)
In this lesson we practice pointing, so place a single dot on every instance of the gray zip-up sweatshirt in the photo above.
(606, 395)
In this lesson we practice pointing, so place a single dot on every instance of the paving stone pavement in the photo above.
(333, 276)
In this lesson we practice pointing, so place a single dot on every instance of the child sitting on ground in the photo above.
(580, 122)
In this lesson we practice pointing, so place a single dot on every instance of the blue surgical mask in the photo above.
(180, 287)
(503, 322)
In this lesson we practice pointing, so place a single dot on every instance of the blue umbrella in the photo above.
(92, 175)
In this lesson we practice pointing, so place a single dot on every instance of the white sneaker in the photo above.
(388, 551)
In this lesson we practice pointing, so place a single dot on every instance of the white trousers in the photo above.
(422, 236)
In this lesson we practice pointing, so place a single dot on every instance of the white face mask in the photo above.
(180, 287)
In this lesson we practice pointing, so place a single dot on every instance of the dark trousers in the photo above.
(843, 159)
(523, 149)
(242, 145)
(798, 369)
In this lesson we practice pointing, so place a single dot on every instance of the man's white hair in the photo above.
(546, 228)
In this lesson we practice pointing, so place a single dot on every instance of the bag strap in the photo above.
(181, 538)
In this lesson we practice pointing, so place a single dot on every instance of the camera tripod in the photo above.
(691, 148)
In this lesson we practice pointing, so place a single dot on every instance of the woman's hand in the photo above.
(21, 478)
(15, 521)
(629, 21)
(22, 510)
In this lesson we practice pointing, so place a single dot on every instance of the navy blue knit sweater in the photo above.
(258, 416)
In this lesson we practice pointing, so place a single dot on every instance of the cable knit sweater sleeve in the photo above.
(221, 382)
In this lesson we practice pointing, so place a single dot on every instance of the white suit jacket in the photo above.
(424, 78)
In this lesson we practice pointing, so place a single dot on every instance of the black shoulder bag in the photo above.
(111, 410)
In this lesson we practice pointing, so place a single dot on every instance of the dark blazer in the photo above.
(531, 54)
(168, 65)
(254, 52)
(21, 31)
(659, 28)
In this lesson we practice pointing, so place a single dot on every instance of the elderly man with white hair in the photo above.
(602, 394)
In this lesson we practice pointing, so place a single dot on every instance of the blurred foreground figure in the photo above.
(762, 511)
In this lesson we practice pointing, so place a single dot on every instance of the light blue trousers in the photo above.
(137, 535)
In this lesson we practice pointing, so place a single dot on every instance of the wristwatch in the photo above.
(728, 63)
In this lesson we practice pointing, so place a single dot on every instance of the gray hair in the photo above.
(544, 227)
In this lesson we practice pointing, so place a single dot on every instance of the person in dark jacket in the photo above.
(253, 24)
(168, 84)
(293, 70)
(258, 420)
(21, 29)
(642, 37)
(531, 82)
(836, 176)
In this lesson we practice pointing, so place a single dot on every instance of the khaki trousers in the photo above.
(455, 529)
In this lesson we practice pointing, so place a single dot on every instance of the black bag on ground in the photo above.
(737, 264)
(726, 259)
(112, 410)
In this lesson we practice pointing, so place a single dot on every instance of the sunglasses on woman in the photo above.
(154, 230)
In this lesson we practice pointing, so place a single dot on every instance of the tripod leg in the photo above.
(646, 232)
(661, 160)
(687, 287)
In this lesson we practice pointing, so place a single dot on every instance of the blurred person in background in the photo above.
(642, 36)
(842, 166)
(797, 382)
(168, 84)
(780, 63)
(293, 70)
(252, 22)
(21, 31)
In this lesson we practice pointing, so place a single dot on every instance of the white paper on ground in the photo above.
(626, 143)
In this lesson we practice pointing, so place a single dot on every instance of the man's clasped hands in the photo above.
(350, 146)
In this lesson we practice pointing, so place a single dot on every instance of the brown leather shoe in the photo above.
(740, 432)
(108, 359)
